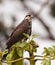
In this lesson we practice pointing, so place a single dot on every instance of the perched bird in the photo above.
(17, 35)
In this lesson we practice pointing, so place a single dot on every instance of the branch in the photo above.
(25, 58)
(40, 59)
(38, 56)
(15, 60)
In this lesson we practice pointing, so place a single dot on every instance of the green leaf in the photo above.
(0, 63)
(19, 52)
(35, 35)
(34, 50)
(53, 47)
(43, 62)
(51, 51)
(9, 57)
(20, 44)
(46, 62)
(46, 52)
(34, 44)
(1, 54)
(27, 48)
(26, 35)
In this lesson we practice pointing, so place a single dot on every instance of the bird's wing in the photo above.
(20, 28)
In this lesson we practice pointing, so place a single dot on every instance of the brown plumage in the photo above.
(17, 34)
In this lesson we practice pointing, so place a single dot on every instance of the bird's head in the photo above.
(29, 17)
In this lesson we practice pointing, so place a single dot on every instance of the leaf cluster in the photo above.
(16, 52)
(49, 52)
(46, 62)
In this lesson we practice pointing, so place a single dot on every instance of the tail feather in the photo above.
(9, 43)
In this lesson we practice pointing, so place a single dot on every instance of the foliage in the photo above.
(49, 52)
(46, 62)
(15, 54)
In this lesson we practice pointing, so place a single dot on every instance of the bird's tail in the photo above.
(9, 43)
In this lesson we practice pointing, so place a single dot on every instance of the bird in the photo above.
(17, 35)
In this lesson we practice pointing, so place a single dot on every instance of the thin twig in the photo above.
(42, 59)
(42, 56)
(38, 56)
(15, 60)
